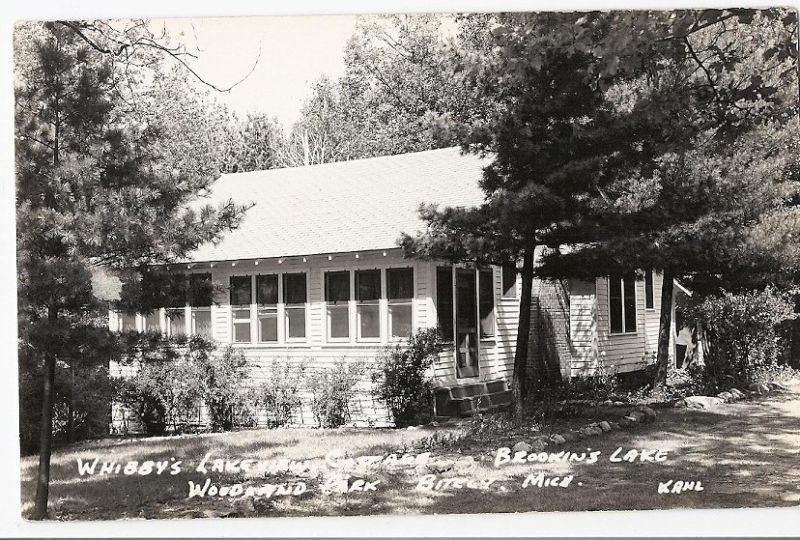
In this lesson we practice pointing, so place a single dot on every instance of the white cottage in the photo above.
(314, 275)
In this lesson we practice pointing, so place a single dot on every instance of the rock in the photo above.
(736, 393)
(725, 396)
(412, 428)
(759, 389)
(702, 402)
(680, 404)
(649, 414)
(637, 415)
(522, 446)
(570, 436)
(619, 404)
(632, 419)
(538, 444)
(557, 439)
(591, 431)
(625, 423)
(441, 466)
(608, 403)
(605, 426)
(614, 425)
(778, 386)
(464, 464)
(434, 424)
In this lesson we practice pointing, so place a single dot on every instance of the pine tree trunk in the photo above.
(523, 331)
(664, 324)
(45, 439)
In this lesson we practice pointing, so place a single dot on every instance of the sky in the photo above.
(294, 52)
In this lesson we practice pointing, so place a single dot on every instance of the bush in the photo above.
(332, 390)
(403, 381)
(279, 394)
(222, 378)
(741, 332)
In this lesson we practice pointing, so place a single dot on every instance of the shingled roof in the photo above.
(340, 207)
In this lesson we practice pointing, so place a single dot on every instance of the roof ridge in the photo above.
(333, 164)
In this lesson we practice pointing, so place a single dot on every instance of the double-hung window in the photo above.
(622, 303)
(200, 293)
(486, 302)
(368, 294)
(400, 293)
(337, 300)
(241, 298)
(152, 321)
(127, 322)
(294, 299)
(267, 300)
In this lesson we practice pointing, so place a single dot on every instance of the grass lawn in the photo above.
(745, 454)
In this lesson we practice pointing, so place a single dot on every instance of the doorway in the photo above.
(466, 324)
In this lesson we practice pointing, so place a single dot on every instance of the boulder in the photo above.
(625, 423)
(522, 446)
(778, 386)
(725, 396)
(243, 506)
(557, 439)
(736, 393)
(538, 444)
(679, 404)
(570, 436)
(631, 419)
(608, 403)
(702, 402)
(614, 425)
(605, 426)
(464, 464)
(758, 389)
(637, 415)
(619, 404)
(591, 431)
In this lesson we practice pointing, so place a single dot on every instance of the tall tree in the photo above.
(94, 190)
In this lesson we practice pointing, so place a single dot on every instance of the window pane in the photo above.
(267, 289)
(630, 303)
(296, 322)
(486, 302)
(201, 322)
(241, 325)
(648, 289)
(369, 321)
(241, 290)
(615, 303)
(127, 322)
(509, 281)
(400, 283)
(152, 322)
(176, 322)
(268, 325)
(400, 320)
(337, 286)
(294, 288)
(339, 321)
(368, 285)
(444, 301)
(200, 290)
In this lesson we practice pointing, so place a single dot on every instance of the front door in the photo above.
(466, 325)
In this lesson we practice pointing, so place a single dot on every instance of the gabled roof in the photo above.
(339, 207)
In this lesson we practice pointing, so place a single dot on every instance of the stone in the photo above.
(680, 404)
(441, 466)
(736, 393)
(244, 506)
(625, 423)
(632, 419)
(608, 403)
(777, 386)
(649, 414)
(557, 439)
(614, 425)
(605, 426)
(522, 446)
(591, 431)
(464, 464)
(570, 436)
(637, 415)
(619, 404)
(702, 402)
(725, 396)
(538, 444)
(759, 389)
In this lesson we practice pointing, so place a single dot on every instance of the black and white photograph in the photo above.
(406, 264)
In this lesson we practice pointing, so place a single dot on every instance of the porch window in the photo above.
(400, 292)
(622, 304)
(509, 280)
(152, 321)
(368, 294)
(127, 322)
(648, 289)
(241, 298)
(294, 299)
(486, 302)
(267, 300)
(337, 299)
(444, 301)
(176, 321)
(200, 292)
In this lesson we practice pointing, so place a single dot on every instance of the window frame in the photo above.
(284, 308)
(649, 290)
(514, 288)
(241, 307)
(345, 304)
(624, 332)
(372, 302)
(268, 310)
(451, 340)
(493, 312)
(390, 337)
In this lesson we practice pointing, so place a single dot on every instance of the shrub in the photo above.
(332, 390)
(222, 378)
(741, 332)
(279, 394)
(402, 380)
